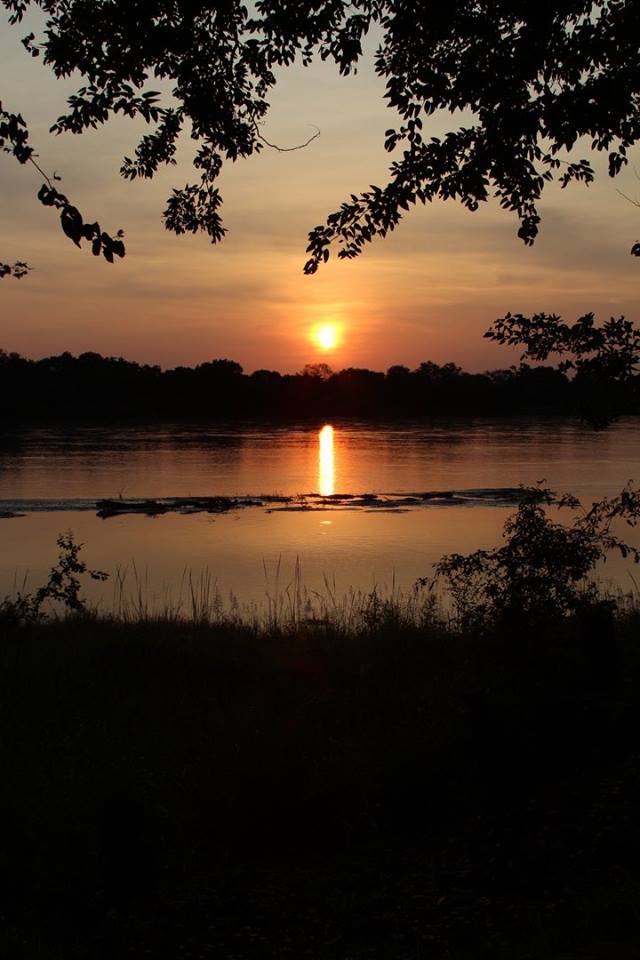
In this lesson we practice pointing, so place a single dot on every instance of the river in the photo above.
(55, 476)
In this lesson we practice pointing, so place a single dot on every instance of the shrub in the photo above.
(63, 586)
(544, 567)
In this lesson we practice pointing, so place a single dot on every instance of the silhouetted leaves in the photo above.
(320, 371)
(605, 359)
(155, 148)
(77, 230)
(612, 349)
(14, 139)
(533, 80)
(14, 136)
(63, 587)
(18, 270)
(195, 208)
(543, 568)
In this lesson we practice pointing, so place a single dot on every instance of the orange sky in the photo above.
(426, 292)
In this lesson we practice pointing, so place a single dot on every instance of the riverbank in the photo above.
(396, 790)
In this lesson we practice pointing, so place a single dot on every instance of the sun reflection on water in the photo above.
(326, 462)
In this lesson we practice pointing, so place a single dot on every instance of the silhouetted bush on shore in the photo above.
(91, 386)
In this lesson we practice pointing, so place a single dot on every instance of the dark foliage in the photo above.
(76, 229)
(544, 569)
(14, 139)
(17, 270)
(62, 588)
(533, 80)
(93, 386)
(605, 359)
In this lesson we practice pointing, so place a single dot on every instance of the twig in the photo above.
(300, 146)
(636, 203)
(41, 171)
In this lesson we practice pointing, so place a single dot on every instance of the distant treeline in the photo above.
(92, 386)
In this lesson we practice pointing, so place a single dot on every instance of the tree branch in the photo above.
(300, 146)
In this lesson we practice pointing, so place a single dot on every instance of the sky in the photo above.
(426, 292)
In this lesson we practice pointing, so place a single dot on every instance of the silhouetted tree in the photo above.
(399, 388)
(321, 371)
(534, 77)
(605, 359)
(94, 387)
(266, 377)
(361, 392)
(398, 373)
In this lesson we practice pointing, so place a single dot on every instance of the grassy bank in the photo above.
(394, 790)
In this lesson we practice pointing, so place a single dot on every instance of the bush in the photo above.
(543, 569)
(63, 586)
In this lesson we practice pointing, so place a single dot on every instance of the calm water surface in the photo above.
(242, 550)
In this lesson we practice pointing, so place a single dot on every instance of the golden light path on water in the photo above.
(326, 462)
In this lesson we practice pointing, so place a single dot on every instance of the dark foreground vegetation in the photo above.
(399, 784)
(400, 790)
(93, 387)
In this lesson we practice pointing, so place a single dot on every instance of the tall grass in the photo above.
(289, 604)
(196, 599)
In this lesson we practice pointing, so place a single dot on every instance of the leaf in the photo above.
(45, 195)
(71, 222)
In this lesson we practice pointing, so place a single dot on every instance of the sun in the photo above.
(325, 335)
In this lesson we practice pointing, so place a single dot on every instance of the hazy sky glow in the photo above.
(427, 292)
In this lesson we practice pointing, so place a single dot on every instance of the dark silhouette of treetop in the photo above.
(605, 359)
(111, 387)
(532, 80)
(319, 371)
(611, 350)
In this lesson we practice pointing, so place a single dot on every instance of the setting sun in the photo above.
(326, 336)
